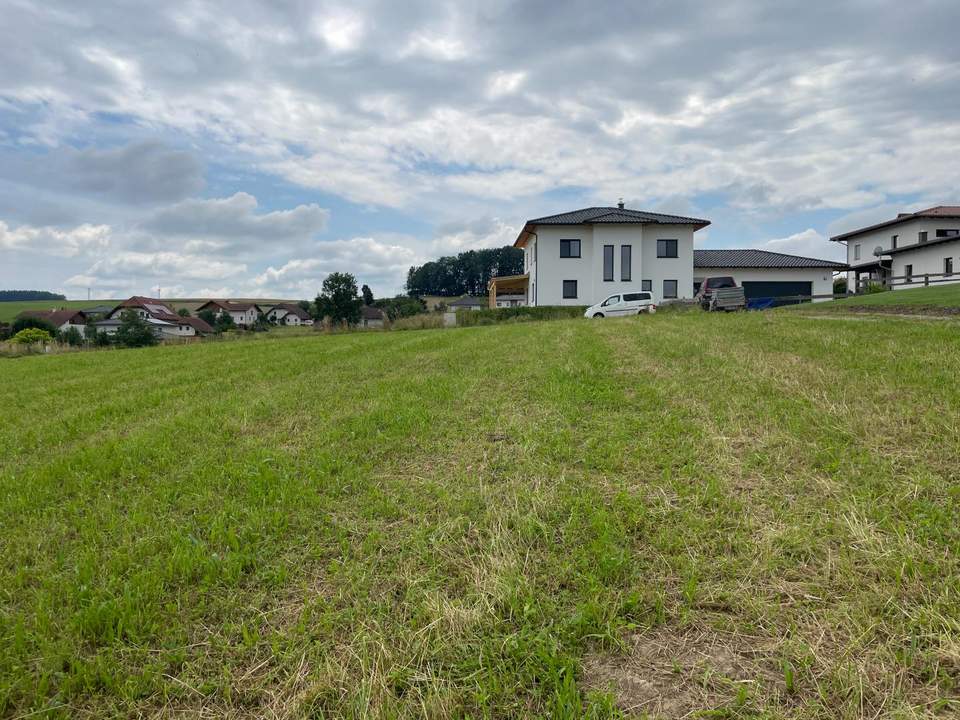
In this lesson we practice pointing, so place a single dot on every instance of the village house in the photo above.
(905, 251)
(288, 314)
(244, 314)
(160, 316)
(371, 317)
(62, 320)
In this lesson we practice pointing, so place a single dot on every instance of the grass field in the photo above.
(9, 310)
(753, 514)
(936, 298)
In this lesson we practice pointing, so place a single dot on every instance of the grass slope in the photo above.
(934, 298)
(753, 513)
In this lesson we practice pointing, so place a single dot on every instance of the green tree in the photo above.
(401, 306)
(208, 316)
(305, 306)
(134, 331)
(183, 312)
(31, 335)
(223, 322)
(72, 336)
(338, 299)
(468, 272)
(367, 295)
(28, 321)
(99, 338)
(5, 331)
(839, 285)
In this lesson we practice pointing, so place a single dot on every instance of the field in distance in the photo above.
(756, 514)
(9, 310)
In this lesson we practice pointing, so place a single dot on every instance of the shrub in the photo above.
(418, 322)
(468, 318)
(872, 288)
(839, 285)
(5, 331)
(71, 336)
(183, 312)
(28, 321)
(31, 335)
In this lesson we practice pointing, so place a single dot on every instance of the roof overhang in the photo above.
(525, 234)
(921, 246)
(836, 266)
(843, 237)
(509, 282)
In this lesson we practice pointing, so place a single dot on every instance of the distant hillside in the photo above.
(21, 295)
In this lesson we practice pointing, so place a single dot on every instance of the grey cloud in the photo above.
(138, 173)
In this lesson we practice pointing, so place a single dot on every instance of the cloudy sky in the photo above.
(249, 148)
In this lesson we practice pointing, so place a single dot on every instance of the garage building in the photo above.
(766, 275)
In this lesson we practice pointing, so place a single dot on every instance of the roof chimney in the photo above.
(620, 204)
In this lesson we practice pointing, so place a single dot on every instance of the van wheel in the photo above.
(598, 315)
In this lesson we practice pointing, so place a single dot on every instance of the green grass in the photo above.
(488, 522)
(934, 298)
(10, 310)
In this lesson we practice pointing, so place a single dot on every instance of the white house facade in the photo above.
(585, 256)
(911, 244)
(582, 257)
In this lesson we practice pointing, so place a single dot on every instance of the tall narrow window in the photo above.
(608, 263)
(569, 289)
(856, 252)
(922, 236)
(908, 273)
(626, 253)
(669, 288)
(948, 266)
(666, 248)
(569, 248)
(893, 242)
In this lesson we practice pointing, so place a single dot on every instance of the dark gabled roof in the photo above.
(228, 305)
(291, 309)
(615, 215)
(371, 313)
(98, 310)
(468, 301)
(198, 324)
(57, 317)
(750, 258)
(940, 211)
(921, 245)
(602, 215)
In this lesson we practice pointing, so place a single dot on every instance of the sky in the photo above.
(248, 149)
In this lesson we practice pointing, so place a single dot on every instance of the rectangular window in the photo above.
(569, 289)
(948, 233)
(569, 248)
(626, 272)
(948, 266)
(908, 273)
(635, 297)
(646, 285)
(893, 242)
(608, 263)
(856, 252)
(666, 248)
(922, 236)
(669, 288)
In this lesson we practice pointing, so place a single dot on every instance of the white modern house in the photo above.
(582, 257)
(908, 247)
(763, 274)
(585, 256)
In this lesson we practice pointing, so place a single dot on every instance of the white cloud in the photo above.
(479, 234)
(342, 30)
(808, 243)
(84, 238)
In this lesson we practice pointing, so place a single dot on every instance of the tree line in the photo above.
(21, 295)
(464, 274)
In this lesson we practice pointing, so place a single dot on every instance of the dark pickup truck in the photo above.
(721, 293)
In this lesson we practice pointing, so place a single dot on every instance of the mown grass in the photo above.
(451, 523)
(935, 298)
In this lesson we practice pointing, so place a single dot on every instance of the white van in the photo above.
(623, 304)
